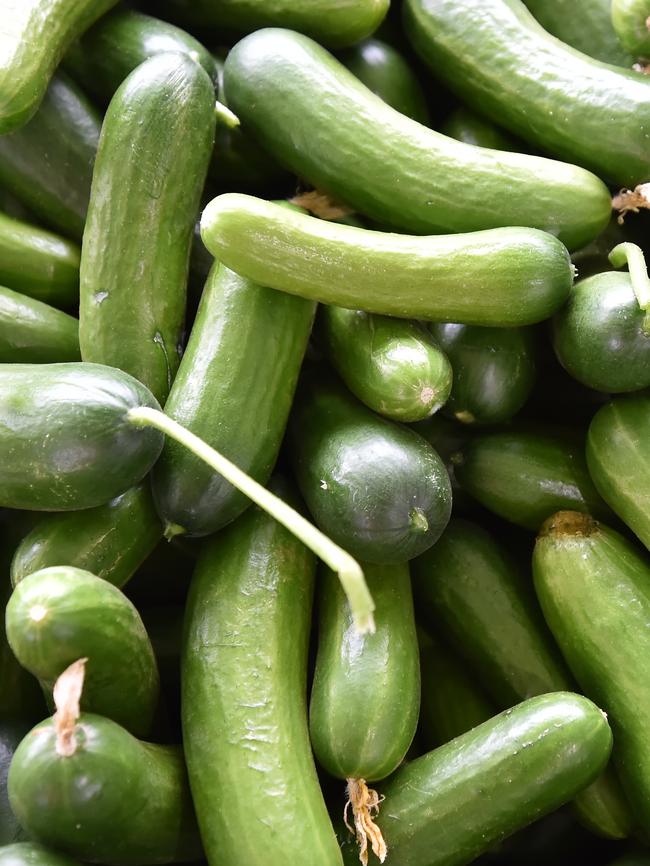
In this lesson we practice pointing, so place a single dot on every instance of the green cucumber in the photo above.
(36, 34)
(151, 164)
(493, 371)
(504, 277)
(59, 614)
(290, 94)
(594, 257)
(48, 163)
(463, 125)
(364, 703)
(491, 781)
(587, 112)
(244, 699)
(391, 365)
(630, 21)
(375, 487)
(222, 394)
(66, 441)
(32, 854)
(11, 733)
(33, 332)
(38, 263)
(525, 477)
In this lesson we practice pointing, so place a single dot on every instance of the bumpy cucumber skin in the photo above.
(32, 332)
(48, 163)
(116, 800)
(365, 696)
(152, 160)
(375, 487)
(290, 94)
(391, 365)
(60, 614)
(32, 854)
(463, 125)
(630, 21)
(11, 733)
(493, 371)
(65, 441)
(244, 671)
(491, 781)
(507, 277)
(238, 404)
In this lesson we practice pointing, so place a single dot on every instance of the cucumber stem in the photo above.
(365, 807)
(67, 695)
(348, 569)
(633, 255)
(225, 116)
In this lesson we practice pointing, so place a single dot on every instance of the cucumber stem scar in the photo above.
(67, 696)
(633, 255)
(348, 569)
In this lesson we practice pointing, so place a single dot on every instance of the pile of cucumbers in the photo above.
(324, 432)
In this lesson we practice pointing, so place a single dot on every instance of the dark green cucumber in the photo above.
(364, 703)
(48, 163)
(244, 699)
(33, 332)
(579, 109)
(629, 19)
(525, 477)
(110, 541)
(503, 277)
(36, 34)
(65, 440)
(60, 614)
(463, 125)
(38, 263)
(594, 257)
(151, 164)
(375, 487)
(391, 365)
(491, 781)
(32, 854)
(11, 733)
(493, 371)
(290, 94)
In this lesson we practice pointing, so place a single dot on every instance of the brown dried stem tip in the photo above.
(631, 200)
(67, 694)
(321, 205)
(365, 806)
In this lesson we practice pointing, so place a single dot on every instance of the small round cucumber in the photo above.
(32, 332)
(630, 19)
(32, 854)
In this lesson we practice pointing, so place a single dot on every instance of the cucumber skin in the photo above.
(629, 20)
(579, 109)
(365, 703)
(32, 332)
(49, 411)
(463, 125)
(144, 199)
(48, 163)
(290, 93)
(491, 781)
(86, 617)
(32, 854)
(513, 276)
(244, 671)
(363, 477)
(113, 780)
(111, 541)
(238, 406)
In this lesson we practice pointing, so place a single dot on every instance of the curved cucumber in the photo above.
(364, 704)
(11, 733)
(151, 164)
(33, 332)
(291, 94)
(391, 365)
(234, 389)
(511, 276)
(630, 21)
(463, 125)
(65, 440)
(244, 672)
(32, 854)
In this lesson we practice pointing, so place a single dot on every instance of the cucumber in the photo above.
(36, 34)
(594, 257)
(34, 332)
(447, 438)
(32, 854)
(630, 21)
(492, 781)
(244, 699)
(234, 389)
(493, 371)
(151, 164)
(48, 163)
(391, 365)
(22, 700)
(290, 94)
(463, 125)
(581, 110)
(11, 733)
(364, 703)
(65, 440)
(59, 614)
(110, 541)
(374, 487)
(525, 477)
(512, 276)
(38, 263)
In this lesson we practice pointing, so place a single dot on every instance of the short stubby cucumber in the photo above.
(32, 332)
(630, 21)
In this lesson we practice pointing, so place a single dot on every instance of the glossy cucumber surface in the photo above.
(470, 128)
(630, 21)
(32, 854)
(32, 332)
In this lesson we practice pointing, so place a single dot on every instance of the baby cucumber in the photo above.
(32, 854)
(391, 365)
(290, 93)
(151, 164)
(471, 128)
(504, 277)
(630, 21)
(33, 332)
(65, 440)
(244, 708)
